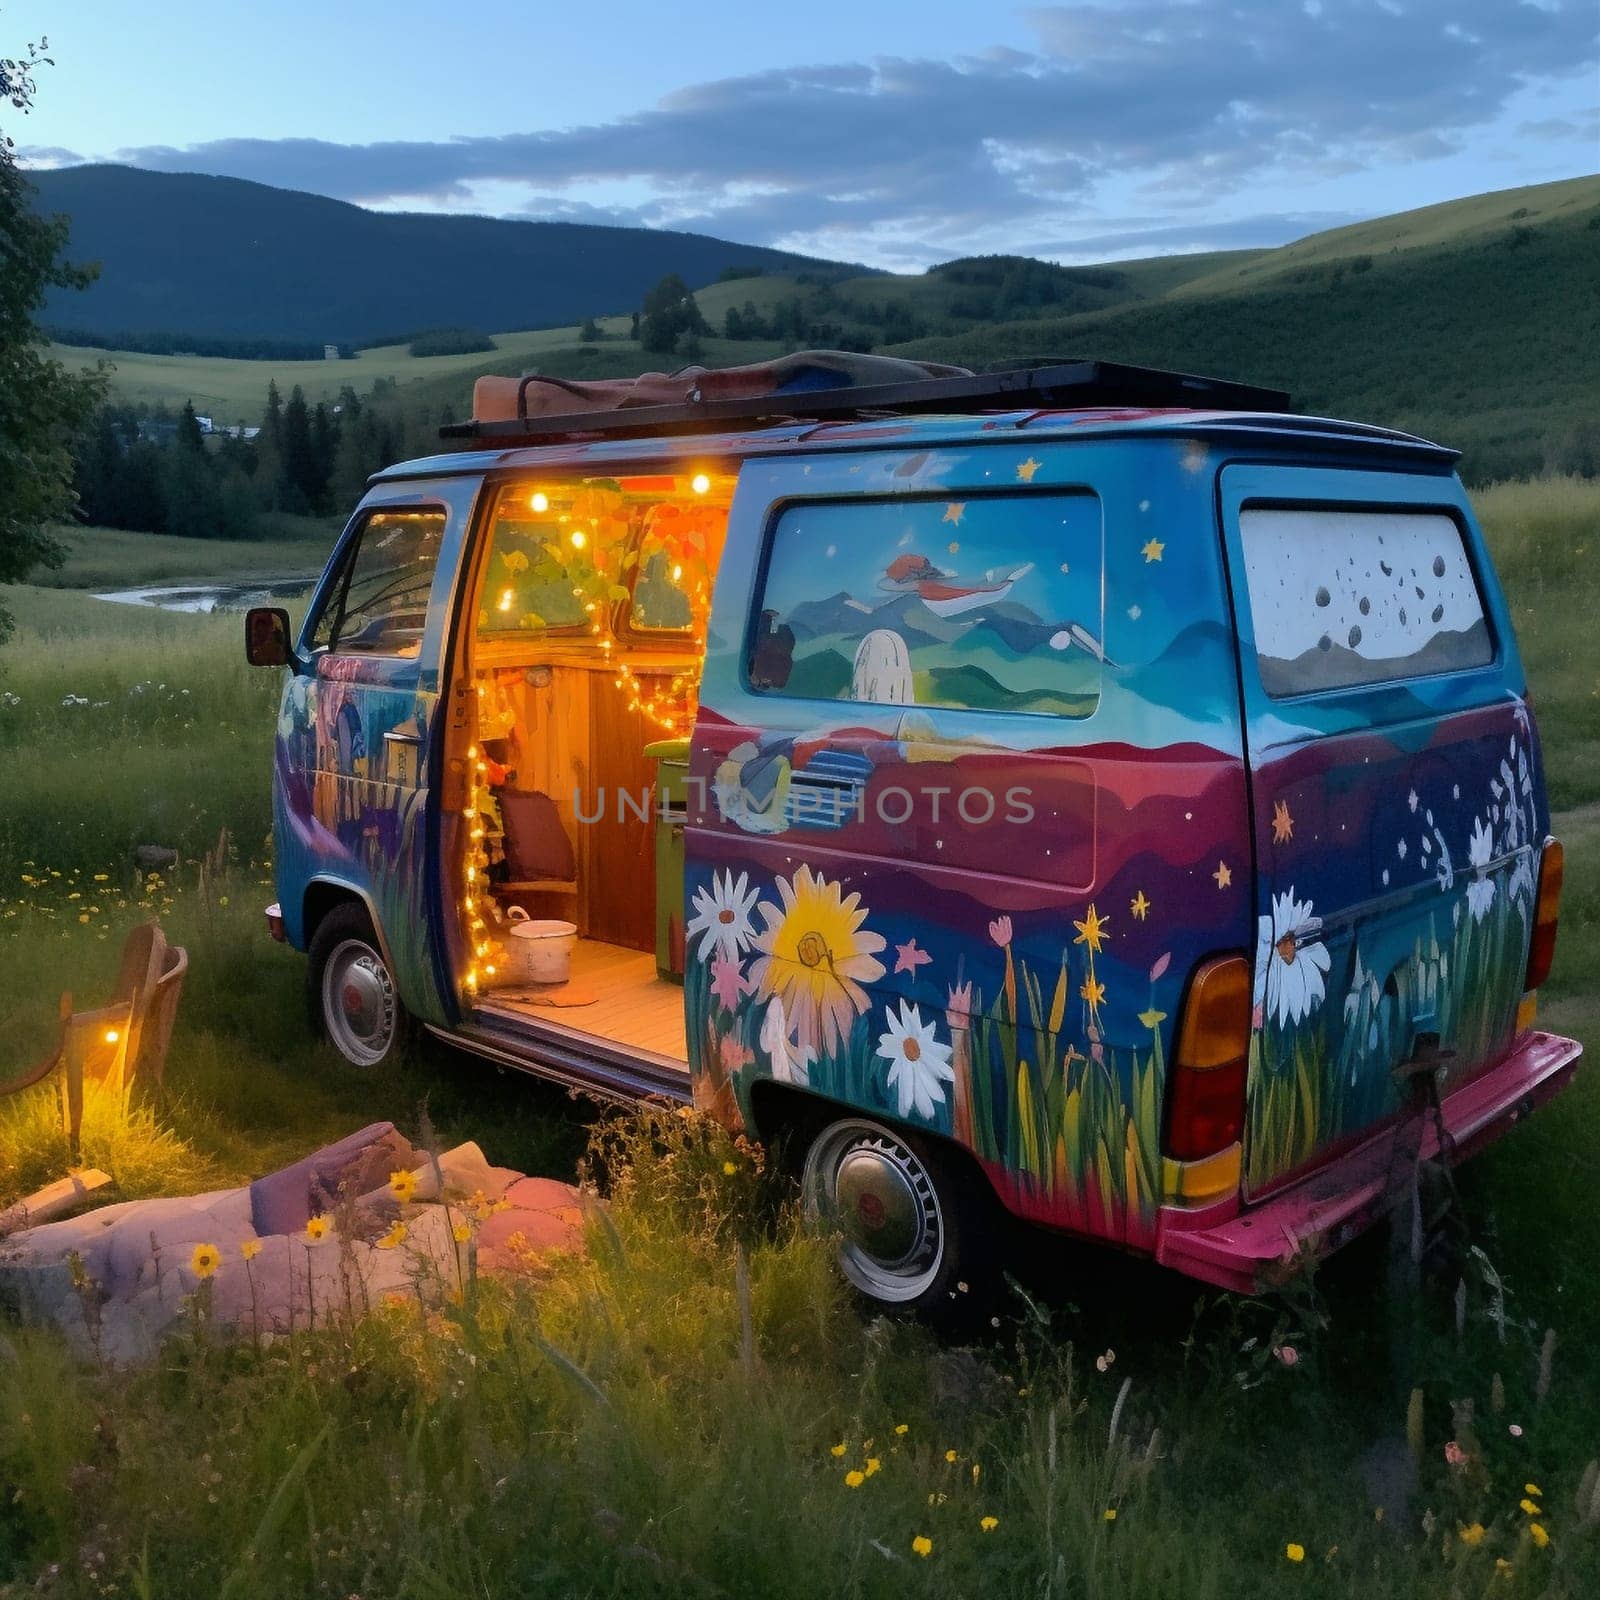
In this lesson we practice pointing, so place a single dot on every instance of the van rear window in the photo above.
(1341, 598)
(992, 603)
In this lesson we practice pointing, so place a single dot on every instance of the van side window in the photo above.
(379, 605)
(988, 604)
(1341, 598)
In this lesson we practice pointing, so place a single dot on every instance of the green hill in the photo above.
(208, 256)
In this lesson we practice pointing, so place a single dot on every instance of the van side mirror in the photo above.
(266, 637)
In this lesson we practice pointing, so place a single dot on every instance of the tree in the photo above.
(590, 332)
(189, 435)
(670, 312)
(43, 406)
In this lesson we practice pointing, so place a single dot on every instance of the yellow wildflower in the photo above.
(316, 1230)
(950, 1455)
(922, 1545)
(1472, 1533)
(1530, 1507)
(1111, 1515)
(1295, 1552)
(988, 1524)
(250, 1249)
(1538, 1534)
(402, 1185)
(393, 1237)
(902, 1427)
(461, 1232)
(854, 1478)
(1533, 1489)
(838, 1449)
(873, 1465)
(729, 1169)
(205, 1260)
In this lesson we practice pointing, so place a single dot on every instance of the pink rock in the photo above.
(547, 1213)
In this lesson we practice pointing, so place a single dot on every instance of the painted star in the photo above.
(1091, 930)
(908, 957)
(1026, 469)
(954, 512)
(1282, 822)
(1223, 875)
(1151, 549)
(1139, 906)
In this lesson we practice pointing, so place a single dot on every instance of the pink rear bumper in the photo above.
(1243, 1248)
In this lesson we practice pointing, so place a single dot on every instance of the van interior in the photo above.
(591, 604)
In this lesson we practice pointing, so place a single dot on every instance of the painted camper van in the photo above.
(1088, 791)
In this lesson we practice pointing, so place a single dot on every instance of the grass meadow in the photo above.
(685, 1411)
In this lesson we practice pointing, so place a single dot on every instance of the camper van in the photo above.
(1082, 790)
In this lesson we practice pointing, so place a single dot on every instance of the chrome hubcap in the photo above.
(358, 1003)
(869, 1188)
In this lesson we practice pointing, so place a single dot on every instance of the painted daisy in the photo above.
(1480, 851)
(1291, 969)
(722, 916)
(919, 1065)
(791, 1063)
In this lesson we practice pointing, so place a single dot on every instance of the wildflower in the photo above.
(393, 1237)
(316, 1230)
(950, 1455)
(1101, 1363)
(402, 1185)
(1472, 1534)
(1515, 1430)
(922, 1545)
(1454, 1454)
(1502, 1566)
(873, 1465)
(902, 1428)
(838, 1450)
(988, 1524)
(1287, 1355)
(854, 1478)
(976, 1471)
(1537, 1532)
(250, 1249)
(728, 1169)
(461, 1232)
(205, 1260)
(1111, 1513)
(1295, 1552)
(1532, 1488)
(1528, 1506)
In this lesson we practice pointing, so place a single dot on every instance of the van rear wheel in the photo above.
(903, 1222)
(351, 991)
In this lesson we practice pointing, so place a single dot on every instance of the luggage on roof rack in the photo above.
(825, 385)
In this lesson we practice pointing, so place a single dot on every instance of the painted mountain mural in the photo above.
(990, 605)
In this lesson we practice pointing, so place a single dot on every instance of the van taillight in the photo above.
(1205, 1107)
(1547, 909)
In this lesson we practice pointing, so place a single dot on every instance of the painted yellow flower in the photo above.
(854, 1478)
(316, 1230)
(814, 955)
(1094, 993)
(1092, 930)
(393, 1238)
(1536, 1532)
(1295, 1552)
(922, 1545)
(402, 1185)
(1471, 1534)
(250, 1249)
(205, 1260)
(988, 1524)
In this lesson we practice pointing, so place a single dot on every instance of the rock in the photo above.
(354, 1165)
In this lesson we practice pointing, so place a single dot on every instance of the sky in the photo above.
(892, 132)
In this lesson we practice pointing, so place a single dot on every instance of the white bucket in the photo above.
(540, 950)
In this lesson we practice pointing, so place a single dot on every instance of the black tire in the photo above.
(350, 991)
(913, 1222)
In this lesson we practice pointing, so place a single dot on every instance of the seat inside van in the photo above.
(589, 613)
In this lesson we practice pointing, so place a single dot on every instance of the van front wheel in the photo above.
(351, 991)
(898, 1215)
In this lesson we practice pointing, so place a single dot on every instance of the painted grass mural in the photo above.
(789, 987)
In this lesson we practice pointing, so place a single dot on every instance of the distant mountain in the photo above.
(182, 252)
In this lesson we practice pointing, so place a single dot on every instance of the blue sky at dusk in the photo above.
(890, 132)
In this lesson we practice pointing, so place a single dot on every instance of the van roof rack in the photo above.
(1036, 383)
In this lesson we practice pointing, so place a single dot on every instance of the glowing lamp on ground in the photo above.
(700, 483)
(112, 1035)
(540, 500)
(579, 538)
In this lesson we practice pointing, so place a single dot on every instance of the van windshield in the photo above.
(1341, 598)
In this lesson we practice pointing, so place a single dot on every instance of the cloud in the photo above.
(1188, 101)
